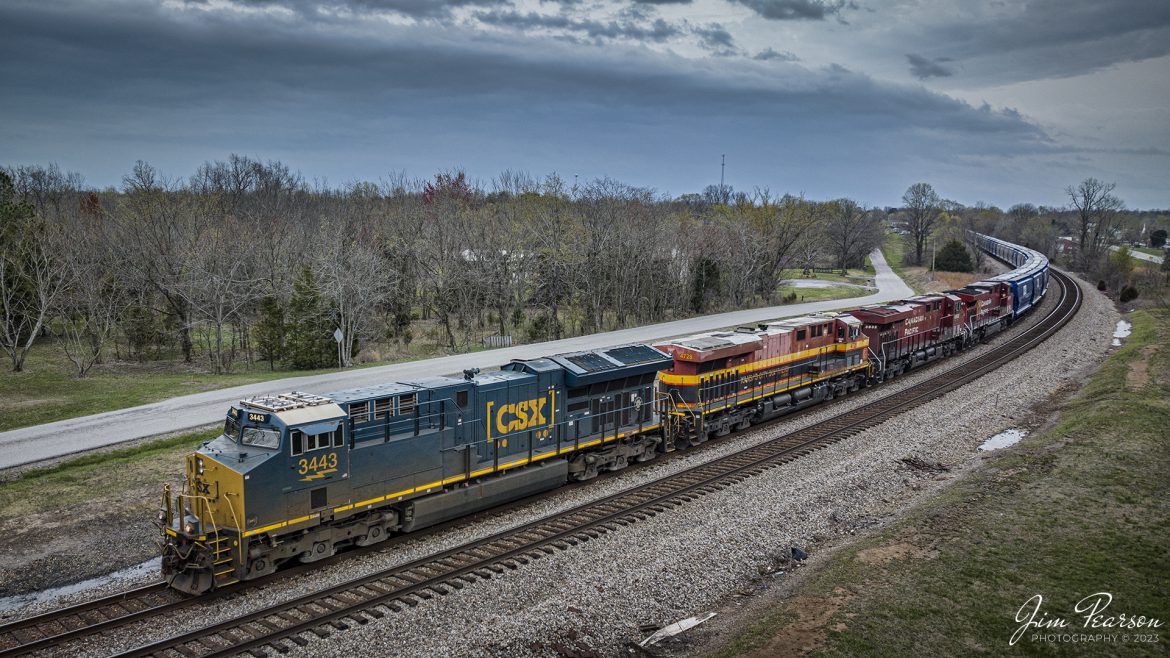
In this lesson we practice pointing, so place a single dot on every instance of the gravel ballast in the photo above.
(596, 596)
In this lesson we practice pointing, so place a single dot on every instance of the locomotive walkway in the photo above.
(57, 439)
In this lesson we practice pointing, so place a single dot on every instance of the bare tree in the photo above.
(851, 231)
(218, 281)
(91, 307)
(32, 276)
(354, 278)
(923, 208)
(1097, 208)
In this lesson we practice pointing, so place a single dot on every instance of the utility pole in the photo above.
(722, 167)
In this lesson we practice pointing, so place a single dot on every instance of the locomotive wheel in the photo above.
(319, 551)
(374, 535)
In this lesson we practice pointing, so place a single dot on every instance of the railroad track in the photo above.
(51, 629)
(373, 597)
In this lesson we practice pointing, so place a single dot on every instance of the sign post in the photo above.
(339, 337)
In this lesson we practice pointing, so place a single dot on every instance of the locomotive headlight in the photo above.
(199, 465)
(189, 528)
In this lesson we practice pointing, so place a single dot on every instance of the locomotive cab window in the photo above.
(302, 443)
(461, 399)
(260, 437)
(383, 408)
(231, 429)
(359, 411)
(800, 335)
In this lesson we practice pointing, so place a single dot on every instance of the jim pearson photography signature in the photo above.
(1094, 623)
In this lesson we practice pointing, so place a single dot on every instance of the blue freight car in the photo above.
(1029, 279)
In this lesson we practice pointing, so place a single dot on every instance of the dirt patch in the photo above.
(898, 551)
(81, 522)
(953, 280)
(808, 632)
(1138, 375)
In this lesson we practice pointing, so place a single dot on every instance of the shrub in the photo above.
(953, 257)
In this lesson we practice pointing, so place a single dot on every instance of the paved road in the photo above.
(1141, 255)
(64, 437)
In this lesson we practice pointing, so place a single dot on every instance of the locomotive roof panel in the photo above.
(636, 354)
(542, 364)
(504, 377)
(301, 415)
(801, 321)
(717, 340)
(887, 312)
(611, 363)
(436, 382)
(376, 391)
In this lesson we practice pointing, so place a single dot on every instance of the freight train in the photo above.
(296, 477)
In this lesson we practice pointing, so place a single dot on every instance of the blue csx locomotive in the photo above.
(297, 476)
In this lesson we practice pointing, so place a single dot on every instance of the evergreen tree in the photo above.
(308, 333)
(269, 331)
(953, 257)
(1158, 238)
(704, 283)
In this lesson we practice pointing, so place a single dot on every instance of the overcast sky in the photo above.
(1001, 101)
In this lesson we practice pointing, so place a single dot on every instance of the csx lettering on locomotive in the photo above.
(520, 416)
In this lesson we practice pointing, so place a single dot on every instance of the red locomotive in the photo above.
(728, 380)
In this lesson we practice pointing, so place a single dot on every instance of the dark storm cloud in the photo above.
(656, 31)
(770, 54)
(1040, 39)
(123, 81)
(923, 68)
(715, 37)
(413, 8)
(787, 10)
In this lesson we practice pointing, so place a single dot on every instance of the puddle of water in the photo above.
(1123, 330)
(1003, 439)
(8, 603)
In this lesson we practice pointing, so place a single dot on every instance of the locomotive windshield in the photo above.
(262, 438)
(231, 429)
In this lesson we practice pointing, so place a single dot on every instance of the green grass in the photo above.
(100, 477)
(1082, 508)
(804, 295)
(1150, 250)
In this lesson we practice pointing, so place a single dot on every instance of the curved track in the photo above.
(375, 596)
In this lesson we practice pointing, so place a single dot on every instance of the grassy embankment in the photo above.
(101, 479)
(854, 276)
(47, 390)
(1082, 508)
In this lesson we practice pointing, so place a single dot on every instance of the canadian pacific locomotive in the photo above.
(295, 477)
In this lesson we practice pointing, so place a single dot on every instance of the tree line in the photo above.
(246, 261)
